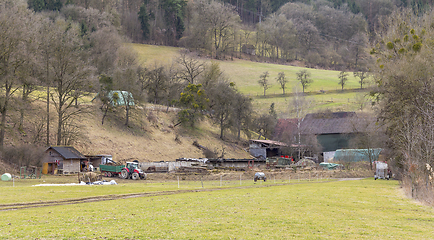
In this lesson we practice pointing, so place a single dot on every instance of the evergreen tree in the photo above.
(144, 21)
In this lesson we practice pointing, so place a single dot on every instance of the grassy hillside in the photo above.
(323, 93)
(150, 135)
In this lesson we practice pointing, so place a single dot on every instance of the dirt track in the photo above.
(18, 206)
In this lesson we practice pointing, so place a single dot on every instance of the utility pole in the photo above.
(48, 105)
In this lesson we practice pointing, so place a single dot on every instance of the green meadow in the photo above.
(324, 93)
(354, 209)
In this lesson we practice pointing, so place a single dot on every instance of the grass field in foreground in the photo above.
(360, 209)
(28, 191)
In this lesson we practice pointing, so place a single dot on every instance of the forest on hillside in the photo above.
(330, 34)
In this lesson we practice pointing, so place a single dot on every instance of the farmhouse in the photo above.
(62, 160)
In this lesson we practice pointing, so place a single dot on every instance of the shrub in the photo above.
(23, 155)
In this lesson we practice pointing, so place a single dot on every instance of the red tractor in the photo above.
(132, 170)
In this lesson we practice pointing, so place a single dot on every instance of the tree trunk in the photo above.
(127, 110)
(221, 125)
(59, 127)
(24, 100)
(3, 127)
(104, 115)
(238, 130)
(3, 113)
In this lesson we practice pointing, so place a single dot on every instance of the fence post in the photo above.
(221, 180)
(178, 181)
(240, 179)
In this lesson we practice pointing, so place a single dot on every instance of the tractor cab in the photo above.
(132, 171)
(132, 166)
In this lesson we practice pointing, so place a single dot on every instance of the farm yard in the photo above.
(224, 208)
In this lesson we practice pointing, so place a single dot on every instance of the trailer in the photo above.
(111, 170)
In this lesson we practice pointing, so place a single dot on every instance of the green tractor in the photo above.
(132, 170)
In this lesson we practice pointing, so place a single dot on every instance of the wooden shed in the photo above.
(96, 160)
(62, 160)
(265, 148)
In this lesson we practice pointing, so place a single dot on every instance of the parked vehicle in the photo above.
(111, 170)
(260, 176)
(132, 170)
(382, 171)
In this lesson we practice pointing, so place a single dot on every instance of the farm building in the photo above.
(119, 98)
(357, 155)
(237, 163)
(62, 160)
(96, 160)
(265, 148)
(335, 130)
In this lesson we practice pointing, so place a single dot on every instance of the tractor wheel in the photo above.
(265, 179)
(108, 174)
(143, 176)
(255, 179)
(124, 174)
(135, 176)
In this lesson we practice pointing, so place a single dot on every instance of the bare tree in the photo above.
(362, 75)
(281, 79)
(303, 76)
(263, 81)
(15, 34)
(243, 111)
(72, 75)
(343, 78)
(156, 83)
(264, 125)
(191, 68)
(222, 105)
(213, 27)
